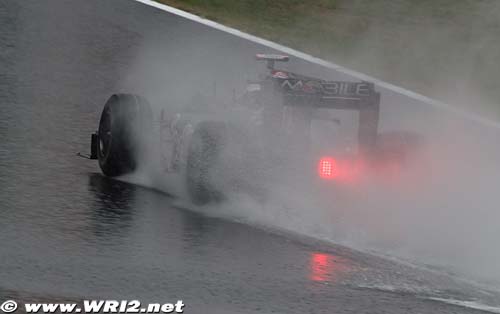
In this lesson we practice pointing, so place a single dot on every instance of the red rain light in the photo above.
(327, 168)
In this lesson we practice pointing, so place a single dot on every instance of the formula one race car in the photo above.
(265, 135)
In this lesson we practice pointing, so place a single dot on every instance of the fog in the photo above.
(444, 49)
(449, 52)
(442, 210)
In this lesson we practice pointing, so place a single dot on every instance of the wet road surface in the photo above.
(69, 233)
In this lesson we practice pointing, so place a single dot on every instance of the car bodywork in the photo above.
(278, 112)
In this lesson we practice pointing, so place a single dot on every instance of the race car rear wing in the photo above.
(304, 91)
(344, 95)
(327, 94)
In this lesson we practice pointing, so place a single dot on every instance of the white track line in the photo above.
(469, 304)
(318, 61)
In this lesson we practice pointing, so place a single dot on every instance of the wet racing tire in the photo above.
(205, 148)
(125, 122)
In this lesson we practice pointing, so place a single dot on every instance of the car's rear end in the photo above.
(302, 101)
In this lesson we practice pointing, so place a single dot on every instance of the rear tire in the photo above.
(398, 145)
(125, 122)
(205, 148)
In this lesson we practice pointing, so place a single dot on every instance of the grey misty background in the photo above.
(445, 212)
(445, 49)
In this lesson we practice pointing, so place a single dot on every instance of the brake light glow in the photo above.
(327, 168)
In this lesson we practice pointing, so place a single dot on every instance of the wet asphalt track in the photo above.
(67, 232)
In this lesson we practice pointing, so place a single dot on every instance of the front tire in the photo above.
(125, 122)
